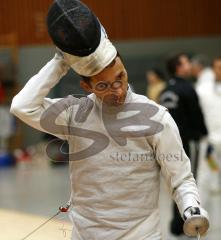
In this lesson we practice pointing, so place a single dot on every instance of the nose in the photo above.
(118, 91)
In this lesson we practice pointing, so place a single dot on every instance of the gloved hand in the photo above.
(59, 56)
(211, 158)
(196, 221)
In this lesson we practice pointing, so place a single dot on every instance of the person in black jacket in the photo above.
(182, 102)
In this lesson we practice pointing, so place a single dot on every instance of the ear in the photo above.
(85, 86)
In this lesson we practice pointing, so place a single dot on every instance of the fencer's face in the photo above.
(152, 78)
(217, 69)
(184, 68)
(111, 84)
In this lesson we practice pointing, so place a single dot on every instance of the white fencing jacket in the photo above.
(115, 185)
(210, 100)
(205, 80)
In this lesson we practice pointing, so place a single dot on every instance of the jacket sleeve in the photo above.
(175, 165)
(30, 103)
(194, 112)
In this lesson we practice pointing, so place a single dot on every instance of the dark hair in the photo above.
(158, 72)
(87, 79)
(173, 62)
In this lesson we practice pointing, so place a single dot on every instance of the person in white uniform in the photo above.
(211, 103)
(202, 72)
(119, 141)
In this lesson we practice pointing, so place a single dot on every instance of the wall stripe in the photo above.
(123, 19)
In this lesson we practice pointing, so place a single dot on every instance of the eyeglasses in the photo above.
(104, 86)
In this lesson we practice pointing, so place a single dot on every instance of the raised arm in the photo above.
(31, 102)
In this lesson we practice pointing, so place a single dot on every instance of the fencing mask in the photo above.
(77, 32)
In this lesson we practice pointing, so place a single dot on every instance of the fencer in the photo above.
(119, 141)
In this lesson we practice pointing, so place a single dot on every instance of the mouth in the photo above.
(114, 100)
